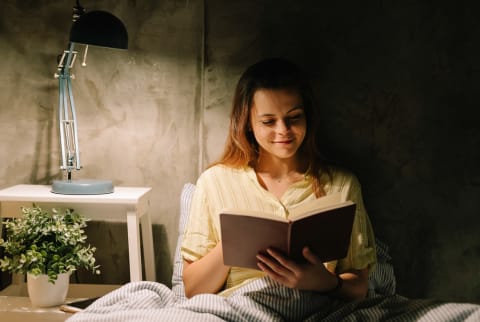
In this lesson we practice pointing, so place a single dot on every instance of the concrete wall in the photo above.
(138, 110)
(396, 83)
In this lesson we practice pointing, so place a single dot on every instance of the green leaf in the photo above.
(46, 242)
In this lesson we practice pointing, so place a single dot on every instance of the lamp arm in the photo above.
(67, 114)
(74, 124)
(61, 108)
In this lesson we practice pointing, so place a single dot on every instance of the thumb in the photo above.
(310, 256)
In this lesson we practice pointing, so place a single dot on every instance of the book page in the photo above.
(315, 206)
(252, 213)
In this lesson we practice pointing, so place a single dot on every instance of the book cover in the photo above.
(323, 225)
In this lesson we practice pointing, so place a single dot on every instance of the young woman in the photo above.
(271, 162)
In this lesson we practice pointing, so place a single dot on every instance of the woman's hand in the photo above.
(312, 275)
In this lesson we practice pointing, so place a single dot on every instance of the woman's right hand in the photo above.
(313, 275)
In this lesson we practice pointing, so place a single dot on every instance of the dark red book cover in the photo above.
(326, 231)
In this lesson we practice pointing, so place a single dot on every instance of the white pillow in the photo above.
(185, 201)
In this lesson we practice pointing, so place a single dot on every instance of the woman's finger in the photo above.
(310, 256)
(273, 269)
(272, 264)
(282, 260)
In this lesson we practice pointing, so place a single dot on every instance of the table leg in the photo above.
(1, 221)
(134, 251)
(147, 242)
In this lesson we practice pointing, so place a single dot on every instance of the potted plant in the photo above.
(48, 247)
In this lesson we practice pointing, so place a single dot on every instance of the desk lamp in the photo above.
(98, 28)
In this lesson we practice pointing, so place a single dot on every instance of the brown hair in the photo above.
(241, 148)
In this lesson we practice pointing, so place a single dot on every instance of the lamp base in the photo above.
(82, 187)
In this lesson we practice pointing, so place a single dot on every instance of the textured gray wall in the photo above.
(137, 109)
(397, 85)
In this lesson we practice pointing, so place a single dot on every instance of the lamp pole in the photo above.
(67, 114)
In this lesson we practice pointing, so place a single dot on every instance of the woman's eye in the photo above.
(268, 122)
(295, 118)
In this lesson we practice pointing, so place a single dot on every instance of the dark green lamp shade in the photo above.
(99, 28)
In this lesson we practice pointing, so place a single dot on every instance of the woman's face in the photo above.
(278, 122)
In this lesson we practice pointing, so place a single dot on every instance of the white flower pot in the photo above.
(45, 294)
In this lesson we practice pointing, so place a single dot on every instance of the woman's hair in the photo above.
(241, 148)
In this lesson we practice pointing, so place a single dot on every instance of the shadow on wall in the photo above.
(110, 239)
(46, 142)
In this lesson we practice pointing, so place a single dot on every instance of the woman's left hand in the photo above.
(312, 275)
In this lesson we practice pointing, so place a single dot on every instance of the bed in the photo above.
(264, 300)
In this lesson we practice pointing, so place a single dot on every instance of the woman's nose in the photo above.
(282, 126)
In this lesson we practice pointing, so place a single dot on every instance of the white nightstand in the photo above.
(125, 203)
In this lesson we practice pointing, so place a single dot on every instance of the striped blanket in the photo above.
(264, 300)
(261, 300)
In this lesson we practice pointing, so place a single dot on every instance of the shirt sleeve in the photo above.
(361, 253)
(199, 237)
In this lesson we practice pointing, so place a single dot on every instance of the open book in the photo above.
(324, 224)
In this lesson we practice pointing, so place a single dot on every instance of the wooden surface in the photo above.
(15, 305)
